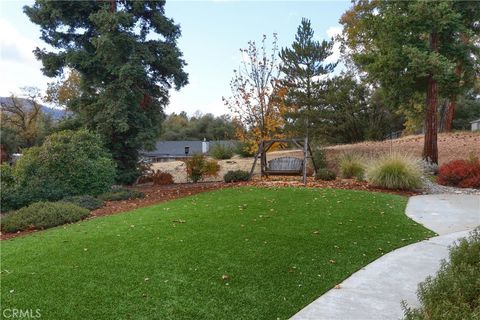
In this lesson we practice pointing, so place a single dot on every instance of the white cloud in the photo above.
(332, 32)
(18, 65)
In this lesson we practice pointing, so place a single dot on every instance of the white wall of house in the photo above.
(475, 125)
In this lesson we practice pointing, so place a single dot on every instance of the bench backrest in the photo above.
(285, 164)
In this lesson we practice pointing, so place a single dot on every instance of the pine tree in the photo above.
(410, 48)
(127, 57)
(303, 66)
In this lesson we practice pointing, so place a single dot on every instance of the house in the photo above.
(475, 125)
(174, 150)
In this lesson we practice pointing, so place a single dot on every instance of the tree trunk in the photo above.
(453, 99)
(452, 105)
(430, 148)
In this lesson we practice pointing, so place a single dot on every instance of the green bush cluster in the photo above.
(394, 171)
(42, 215)
(7, 188)
(325, 174)
(87, 202)
(118, 194)
(221, 152)
(454, 292)
(352, 166)
(68, 163)
(236, 176)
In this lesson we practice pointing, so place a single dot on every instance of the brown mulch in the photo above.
(158, 194)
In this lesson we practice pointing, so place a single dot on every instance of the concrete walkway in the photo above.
(376, 291)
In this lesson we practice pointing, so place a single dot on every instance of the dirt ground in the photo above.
(457, 145)
(450, 146)
(179, 173)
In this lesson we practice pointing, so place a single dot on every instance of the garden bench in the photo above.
(285, 166)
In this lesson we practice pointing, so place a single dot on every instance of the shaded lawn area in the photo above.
(278, 249)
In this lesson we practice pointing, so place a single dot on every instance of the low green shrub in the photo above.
(454, 292)
(221, 152)
(87, 202)
(42, 215)
(235, 176)
(394, 171)
(68, 163)
(325, 175)
(320, 159)
(352, 166)
(118, 194)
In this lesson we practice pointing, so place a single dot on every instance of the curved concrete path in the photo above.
(376, 291)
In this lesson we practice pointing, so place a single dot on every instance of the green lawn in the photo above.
(280, 248)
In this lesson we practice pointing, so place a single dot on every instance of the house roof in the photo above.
(173, 148)
(478, 120)
(177, 148)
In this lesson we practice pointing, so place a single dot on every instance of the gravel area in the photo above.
(430, 187)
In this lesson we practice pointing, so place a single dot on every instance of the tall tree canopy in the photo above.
(197, 127)
(127, 57)
(411, 48)
(303, 66)
(23, 121)
(354, 111)
(257, 98)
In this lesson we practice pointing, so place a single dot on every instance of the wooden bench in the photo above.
(285, 166)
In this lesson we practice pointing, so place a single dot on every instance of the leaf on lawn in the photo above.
(225, 277)
(178, 221)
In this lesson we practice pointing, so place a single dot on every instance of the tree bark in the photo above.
(452, 105)
(430, 148)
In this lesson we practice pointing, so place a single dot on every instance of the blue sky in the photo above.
(212, 34)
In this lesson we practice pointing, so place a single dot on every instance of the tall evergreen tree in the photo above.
(410, 48)
(127, 57)
(303, 66)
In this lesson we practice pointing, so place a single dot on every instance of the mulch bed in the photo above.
(158, 194)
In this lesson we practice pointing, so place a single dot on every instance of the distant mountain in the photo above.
(55, 113)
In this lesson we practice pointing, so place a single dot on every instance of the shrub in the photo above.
(118, 194)
(454, 292)
(199, 167)
(245, 150)
(42, 215)
(352, 166)
(68, 163)
(325, 175)
(87, 202)
(394, 171)
(460, 173)
(320, 159)
(221, 152)
(162, 178)
(235, 176)
(8, 196)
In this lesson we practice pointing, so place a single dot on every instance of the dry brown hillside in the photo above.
(450, 146)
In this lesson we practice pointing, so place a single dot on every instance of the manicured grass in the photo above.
(278, 248)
